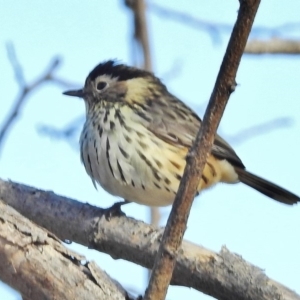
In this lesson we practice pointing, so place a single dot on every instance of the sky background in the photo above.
(84, 33)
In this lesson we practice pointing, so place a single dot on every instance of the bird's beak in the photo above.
(75, 93)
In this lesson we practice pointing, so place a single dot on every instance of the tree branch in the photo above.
(27, 88)
(222, 275)
(259, 129)
(69, 132)
(224, 86)
(273, 46)
(141, 38)
(35, 262)
(215, 29)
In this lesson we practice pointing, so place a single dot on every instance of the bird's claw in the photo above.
(114, 211)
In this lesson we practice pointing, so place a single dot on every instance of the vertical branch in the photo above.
(140, 34)
(224, 86)
(141, 37)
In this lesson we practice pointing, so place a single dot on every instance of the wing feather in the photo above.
(175, 123)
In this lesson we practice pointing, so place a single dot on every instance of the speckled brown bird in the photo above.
(137, 134)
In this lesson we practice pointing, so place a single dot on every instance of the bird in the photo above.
(137, 135)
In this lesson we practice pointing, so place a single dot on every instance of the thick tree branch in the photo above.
(35, 262)
(222, 275)
(224, 86)
(273, 46)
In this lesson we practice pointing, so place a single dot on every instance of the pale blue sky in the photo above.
(264, 232)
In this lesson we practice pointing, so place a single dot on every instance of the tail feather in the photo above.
(266, 187)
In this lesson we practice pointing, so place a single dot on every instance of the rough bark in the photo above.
(34, 261)
(273, 46)
(223, 275)
(196, 159)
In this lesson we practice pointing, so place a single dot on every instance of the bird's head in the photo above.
(110, 83)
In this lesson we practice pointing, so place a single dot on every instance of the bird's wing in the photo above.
(172, 121)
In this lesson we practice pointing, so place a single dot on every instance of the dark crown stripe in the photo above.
(111, 67)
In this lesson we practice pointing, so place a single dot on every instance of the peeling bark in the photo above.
(223, 275)
(33, 261)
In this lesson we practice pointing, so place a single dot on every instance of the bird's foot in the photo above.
(115, 210)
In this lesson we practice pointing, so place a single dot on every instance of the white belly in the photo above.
(128, 168)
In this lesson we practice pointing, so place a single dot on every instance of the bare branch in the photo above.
(26, 88)
(140, 35)
(273, 46)
(26, 249)
(222, 275)
(259, 129)
(224, 86)
(12, 57)
(141, 38)
(174, 71)
(215, 29)
(68, 133)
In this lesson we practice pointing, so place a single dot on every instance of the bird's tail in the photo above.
(266, 187)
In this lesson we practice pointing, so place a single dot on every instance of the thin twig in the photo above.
(215, 29)
(224, 86)
(174, 71)
(12, 57)
(259, 129)
(26, 88)
(68, 133)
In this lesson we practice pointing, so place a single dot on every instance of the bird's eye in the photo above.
(101, 85)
